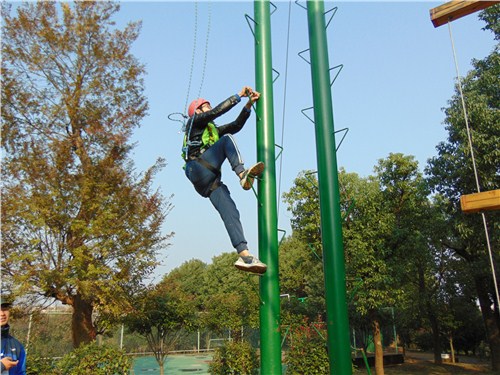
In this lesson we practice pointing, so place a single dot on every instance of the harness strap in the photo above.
(209, 166)
(212, 169)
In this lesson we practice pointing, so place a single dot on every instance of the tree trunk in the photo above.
(427, 306)
(491, 320)
(379, 351)
(436, 337)
(83, 330)
(452, 350)
(162, 369)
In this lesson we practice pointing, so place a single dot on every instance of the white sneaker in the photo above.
(249, 175)
(250, 264)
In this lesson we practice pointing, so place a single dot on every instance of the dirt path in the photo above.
(418, 363)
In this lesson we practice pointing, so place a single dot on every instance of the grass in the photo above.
(424, 367)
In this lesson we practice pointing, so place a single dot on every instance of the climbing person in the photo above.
(206, 147)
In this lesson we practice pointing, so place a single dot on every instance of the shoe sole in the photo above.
(253, 269)
(254, 171)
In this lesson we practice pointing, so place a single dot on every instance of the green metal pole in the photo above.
(270, 335)
(339, 349)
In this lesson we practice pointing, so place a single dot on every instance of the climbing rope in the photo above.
(209, 21)
(181, 116)
(193, 54)
(469, 137)
(284, 99)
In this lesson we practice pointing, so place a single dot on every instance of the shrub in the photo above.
(234, 358)
(92, 359)
(307, 355)
(38, 365)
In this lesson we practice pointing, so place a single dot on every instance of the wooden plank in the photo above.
(455, 9)
(486, 200)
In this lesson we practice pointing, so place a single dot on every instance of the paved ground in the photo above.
(198, 364)
(176, 364)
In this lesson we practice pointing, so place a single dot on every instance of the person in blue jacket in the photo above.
(206, 146)
(13, 355)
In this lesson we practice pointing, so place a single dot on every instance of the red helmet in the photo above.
(195, 104)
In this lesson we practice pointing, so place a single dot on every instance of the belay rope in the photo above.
(469, 138)
(193, 55)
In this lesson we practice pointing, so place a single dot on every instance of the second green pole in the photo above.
(339, 348)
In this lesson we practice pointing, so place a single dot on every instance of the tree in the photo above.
(189, 277)
(301, 266)
(79, 224)
(367, 254)
(161, 314)
(231, 298)
(418, 260)
(451, 175)
(365, 228)
(301, 278)
(303, 203)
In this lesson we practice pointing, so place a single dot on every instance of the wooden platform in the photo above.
(455, 9)
(484, 201)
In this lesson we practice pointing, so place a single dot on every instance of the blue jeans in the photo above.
(203, 180)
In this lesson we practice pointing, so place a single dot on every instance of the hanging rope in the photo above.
(284, 100)
(181, 116)
(469, 137)
(188, 142)
(206, 48)
(193, 54)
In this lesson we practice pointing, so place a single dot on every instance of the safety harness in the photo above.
(208, 138)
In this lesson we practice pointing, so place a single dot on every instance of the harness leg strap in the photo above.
(214, 170)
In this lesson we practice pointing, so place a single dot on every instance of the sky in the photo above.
(398, 74)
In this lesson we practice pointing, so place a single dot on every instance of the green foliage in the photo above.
(79, 223)
(41, 365)
(301, 277)
(303, 203)
(230, 297)
(162, 314)
(234, 358)
(451, 174)
(92, 359)
(308, 353)
(189, 277)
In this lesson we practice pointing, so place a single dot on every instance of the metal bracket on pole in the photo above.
(254, 288)
(255, 193)
(314, 252)
(247, 17)
(334, 10)
(282, 237)
(345, 130)
(279, 153)
(339, 67)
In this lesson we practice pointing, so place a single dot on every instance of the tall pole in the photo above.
(339, 352)
(270, 336)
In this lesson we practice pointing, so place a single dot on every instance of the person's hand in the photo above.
(8, 363)
(245, 91)
(254, 96)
